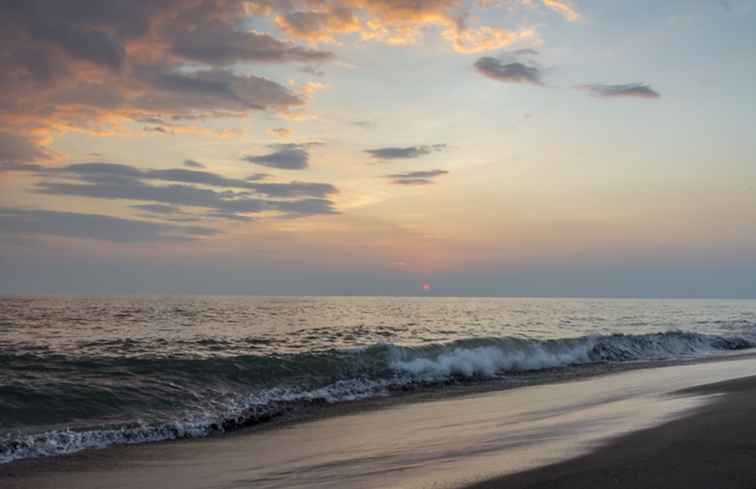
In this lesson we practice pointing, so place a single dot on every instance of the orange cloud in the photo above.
(563, 8)
(485, 38)
(319, 26)
(117, 69)
(396, 22)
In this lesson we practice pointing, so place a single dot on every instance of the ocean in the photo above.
(78, 373)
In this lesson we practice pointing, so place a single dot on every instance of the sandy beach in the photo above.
(712, 448)
(689, 426)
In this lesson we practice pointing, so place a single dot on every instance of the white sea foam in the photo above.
(486, 361)
(509, 354)
(407, 366)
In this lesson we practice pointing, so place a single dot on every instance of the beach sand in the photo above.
(690, 426)
(713, 448)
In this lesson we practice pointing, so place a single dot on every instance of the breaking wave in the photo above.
(140, 400)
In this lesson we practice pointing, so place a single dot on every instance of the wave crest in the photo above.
(257, 388)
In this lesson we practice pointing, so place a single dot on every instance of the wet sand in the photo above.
(563, 428)
(710, 449)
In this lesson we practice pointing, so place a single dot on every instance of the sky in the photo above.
(376, 147)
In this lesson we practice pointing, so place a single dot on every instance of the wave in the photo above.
(140, 400)
(489, 356)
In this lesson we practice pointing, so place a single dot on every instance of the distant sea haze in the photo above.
(91, 372)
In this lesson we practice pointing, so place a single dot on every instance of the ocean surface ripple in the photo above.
(93, 372)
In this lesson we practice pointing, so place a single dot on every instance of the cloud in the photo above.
(257, 176)
(215, 89)
(157, 208)
(312, 70)
(217, 44)
(189, 196)
(14, 148)
(229, 216)
(510, 72)
(364, 124)
(113, 173)
(393, 22)
(294, 189)
(563, 8)
(319, 26)
(305, 207)
(12, 166)
(280, 132)
(416, 177)
(313, 87)
(44, 23)
(635, 90)
(180, 187)
(91, 66)
(289, 156)
(23, 222)
(158, 129)
(406, 152)
(193, 164)
(86, 66)
(485, 38)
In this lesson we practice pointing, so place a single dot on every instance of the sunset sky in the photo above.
(486, 147)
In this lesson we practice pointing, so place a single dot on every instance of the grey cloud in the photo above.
(291, 189)
(97, 168)
(137, 190)
(212, 90)
(157, 208)
(519, 52)
(286, 157)
(130, 177)
(222, 45)
(393, 152)
(194, 176)
(413, 181)
(159, 129)
(294, 189)
(9, 166)
(14, 148)
(200, 31)
(511, 72)
(636, 90)
(185, 195)
(45, 22)
(229, 216)
(151, 120)
(364, 124)
(126, 18)
(175, 214)
(257, 176)
(311, 70)
(123, 182)
(45, 41)
(15, 221)
(193, 164)
(419, 174)
(305, 207)
(304, 23)
(95, 46)
(416, 177)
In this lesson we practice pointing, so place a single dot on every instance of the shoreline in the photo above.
(469, 398)
(711, 447)
(305, 412)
